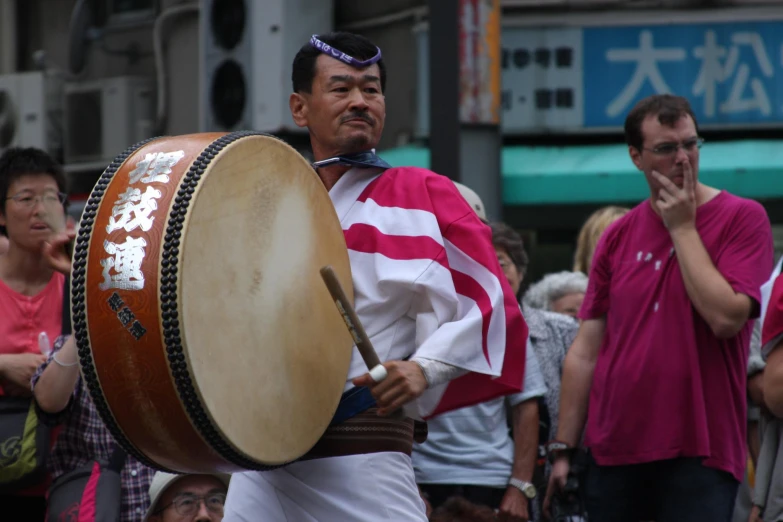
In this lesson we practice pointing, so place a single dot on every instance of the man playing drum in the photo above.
(428, 290)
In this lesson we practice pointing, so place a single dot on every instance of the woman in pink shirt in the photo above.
(32, 193)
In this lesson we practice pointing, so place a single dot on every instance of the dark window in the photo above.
(543, 99)
(543, 56)
(564, 57)
(564, 98)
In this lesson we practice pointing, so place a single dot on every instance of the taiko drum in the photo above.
(207, 340)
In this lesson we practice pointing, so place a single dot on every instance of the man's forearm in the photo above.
(3, 359)
(720, 306)
(437, 372)
(574, 397)
(525, 439)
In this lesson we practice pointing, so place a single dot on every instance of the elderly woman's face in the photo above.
(509, 269)
(569, 304)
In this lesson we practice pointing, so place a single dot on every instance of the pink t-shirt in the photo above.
(664, 385)
(23, 318)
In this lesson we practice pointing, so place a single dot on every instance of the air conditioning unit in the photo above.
(104, 117)
(30, 111)
(246, 50)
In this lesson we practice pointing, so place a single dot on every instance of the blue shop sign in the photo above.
(731, 72)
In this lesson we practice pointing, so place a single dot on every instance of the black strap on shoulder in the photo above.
(66, 327)
(117, 459)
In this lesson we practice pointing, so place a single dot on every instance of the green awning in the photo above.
(605, 173)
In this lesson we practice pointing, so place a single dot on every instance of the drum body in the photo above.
(206, 337)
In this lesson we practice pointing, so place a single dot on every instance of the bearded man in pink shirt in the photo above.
(661, 354)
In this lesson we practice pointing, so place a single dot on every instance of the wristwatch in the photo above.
(555, 449)
(527, 488)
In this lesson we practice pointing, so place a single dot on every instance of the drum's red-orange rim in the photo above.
(143, 395)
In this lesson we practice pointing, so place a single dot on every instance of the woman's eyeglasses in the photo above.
(49, 199)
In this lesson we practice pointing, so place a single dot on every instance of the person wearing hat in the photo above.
(187, 498)
(473, 199)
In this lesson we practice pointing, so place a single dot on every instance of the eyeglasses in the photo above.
(187, 505)
(49, 199)
(504, 264)
(670, 149)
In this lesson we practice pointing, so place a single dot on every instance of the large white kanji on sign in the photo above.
(155, 167)
(133, 210)
(646, 58)
(711, 72)
(715, 71)
(123, 271)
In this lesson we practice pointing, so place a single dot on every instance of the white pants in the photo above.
(360, 488)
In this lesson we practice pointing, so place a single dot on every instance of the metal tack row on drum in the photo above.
(206, 337)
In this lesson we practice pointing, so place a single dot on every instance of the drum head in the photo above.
(266, 348)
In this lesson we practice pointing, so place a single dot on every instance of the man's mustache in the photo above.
(358, 116)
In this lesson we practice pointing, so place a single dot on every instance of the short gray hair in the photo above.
(552, 287)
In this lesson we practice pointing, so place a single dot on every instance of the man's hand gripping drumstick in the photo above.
(394, 383)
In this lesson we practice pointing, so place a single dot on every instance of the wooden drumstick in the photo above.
(377, 370)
